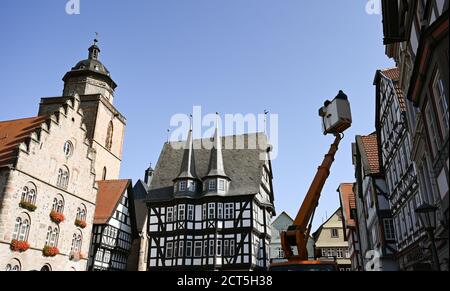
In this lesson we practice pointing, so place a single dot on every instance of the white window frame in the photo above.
(183, 186)
(181, 212)
(169, 250)
(169, 214)
(211, 211)
(198, 246)
(229, 210)
(221, 185)
(190, 216)
(212, 185)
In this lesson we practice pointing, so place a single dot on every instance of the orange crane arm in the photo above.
(298, 234)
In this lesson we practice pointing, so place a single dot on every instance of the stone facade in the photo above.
(38, 167)
(75, 141)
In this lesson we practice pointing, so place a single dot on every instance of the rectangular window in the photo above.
(181, 249)
(220, 210)
(389, 230)
(188, 249)
(181, 212)
(334, 233)
(191, 186)
(211, 248)
(232, 243)
(441, 101)
(219, 247)
(204, 211)
(212, 185)
(221, 185)
(229, 211)
(169, 215)
(432, 130)
(183, 186)
(169, 250)
(226, 248)
(339, 253)
(190, 212)
(211, 210)
(280, 253)
(198, 249)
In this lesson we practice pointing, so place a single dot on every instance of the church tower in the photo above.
(90, 81)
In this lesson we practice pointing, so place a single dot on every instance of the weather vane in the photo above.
(96, 37)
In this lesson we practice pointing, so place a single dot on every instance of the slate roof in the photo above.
(243, 166)
(140, 191)
(13, 133)
(108, 196)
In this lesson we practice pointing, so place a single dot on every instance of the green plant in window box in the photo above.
(28, 206)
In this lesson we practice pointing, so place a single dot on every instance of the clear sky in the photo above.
(231, 56)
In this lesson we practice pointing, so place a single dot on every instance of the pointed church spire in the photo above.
(216, 168)
(187, 169)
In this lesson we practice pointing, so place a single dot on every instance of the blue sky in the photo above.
(231, 56)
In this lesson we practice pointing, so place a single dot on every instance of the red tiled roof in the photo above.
(370, 145)
(108, 195)
(13, 133)
(348, 201)
(394, 75)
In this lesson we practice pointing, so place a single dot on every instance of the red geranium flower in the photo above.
(56, 217)
(80, 223)
(19, 246)
(50, 251)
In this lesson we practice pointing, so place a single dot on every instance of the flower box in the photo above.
(56, 217)
(50, 251)
(28, 206)
(19, 246)
(76, 256)
(80, 223)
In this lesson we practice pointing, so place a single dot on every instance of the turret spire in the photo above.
(216, 168)
(187, 169)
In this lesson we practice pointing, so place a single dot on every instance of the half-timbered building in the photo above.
(401, 178)
(210, 209)
(114, 226)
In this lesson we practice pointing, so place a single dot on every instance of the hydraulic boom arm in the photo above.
(298, 234)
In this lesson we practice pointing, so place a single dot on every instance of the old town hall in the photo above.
(210, 209)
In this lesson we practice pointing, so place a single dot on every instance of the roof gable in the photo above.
(108, 197)
(243, 166)
(15, 132)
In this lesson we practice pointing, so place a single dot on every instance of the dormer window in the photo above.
(192, 186)
(183, 185)
(221, 185)
(212, 185)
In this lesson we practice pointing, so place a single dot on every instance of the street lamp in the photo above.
(427, 217)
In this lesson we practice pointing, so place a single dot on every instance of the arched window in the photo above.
(52, 236)
(13, 266)
(109, 136)
(58, 204)
(81, 213)
(76, 243)
(68, 148)
(63, 177)
(46, 268)
(21, 228)
(29, 194)
(104, 173)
